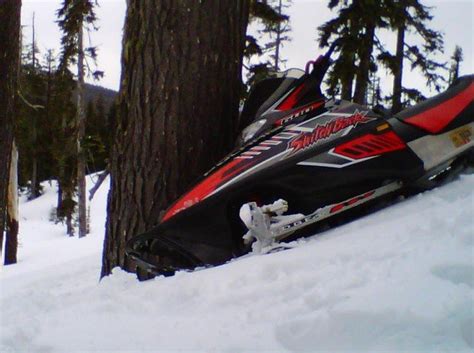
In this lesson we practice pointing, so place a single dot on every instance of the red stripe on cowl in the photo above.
(290, 101)
(204, 188)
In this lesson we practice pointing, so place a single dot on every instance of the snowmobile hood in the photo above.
(301, 101)
(281, 144)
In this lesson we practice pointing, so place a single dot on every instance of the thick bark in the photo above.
(9, 65)
(366, 48)
(81, 128)
(397, 81)
(11, 238)
(179, 101)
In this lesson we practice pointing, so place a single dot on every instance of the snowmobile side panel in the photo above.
(434, 150)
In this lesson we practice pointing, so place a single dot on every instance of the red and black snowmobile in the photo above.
(304, 159)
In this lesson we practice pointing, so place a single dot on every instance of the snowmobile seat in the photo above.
(435, 114)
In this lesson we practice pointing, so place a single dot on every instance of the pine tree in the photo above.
(263, 54)
(354, 32)
(277, 30)
(55, 149)
(61, 117)
(73, 16)
(30, 118)
(456, 58)
(171, 128)
(413, 16)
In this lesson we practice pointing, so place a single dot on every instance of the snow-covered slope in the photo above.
(400, 279)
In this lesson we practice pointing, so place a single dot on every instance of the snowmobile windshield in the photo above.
(265, 93)
(282, 94)
(287, 80)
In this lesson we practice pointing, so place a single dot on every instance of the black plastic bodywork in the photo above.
(208, 231)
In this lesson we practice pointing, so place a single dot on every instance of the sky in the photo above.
(453, 17)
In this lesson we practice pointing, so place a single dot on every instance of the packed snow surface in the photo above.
(400, 279)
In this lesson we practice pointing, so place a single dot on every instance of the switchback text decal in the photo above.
(321, 132)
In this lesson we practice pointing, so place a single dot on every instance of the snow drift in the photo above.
(401, 279)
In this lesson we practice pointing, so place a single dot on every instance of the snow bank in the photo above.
(401, 279)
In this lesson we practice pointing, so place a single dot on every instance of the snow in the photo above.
(401, 279)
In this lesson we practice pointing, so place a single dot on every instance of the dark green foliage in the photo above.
(360, 50)
(72, 15)
(354, 30)
(412, 16)
(45, 127)
(277, 29)
(31, 114)
(48, 95)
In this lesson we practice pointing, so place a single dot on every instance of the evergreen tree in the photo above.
(413, 16)
(456, 58)
(73, 16)
(263, 57)
(354, 32)
(171, 128)
(30, 118)
(355, 28)
(61, 117)
(277, 30)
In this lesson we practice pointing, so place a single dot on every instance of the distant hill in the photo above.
(93, 92)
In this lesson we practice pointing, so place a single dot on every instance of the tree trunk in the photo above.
(34, 192)
(346, 89)
(397, 80)
(278, 40)
(10, 11)
(11, 238)
(66, 177)
(81, 128)
(34, 187)
(179, 99)
(348, 52)
(366, 47)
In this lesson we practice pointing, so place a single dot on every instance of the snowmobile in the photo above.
(304, 159)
